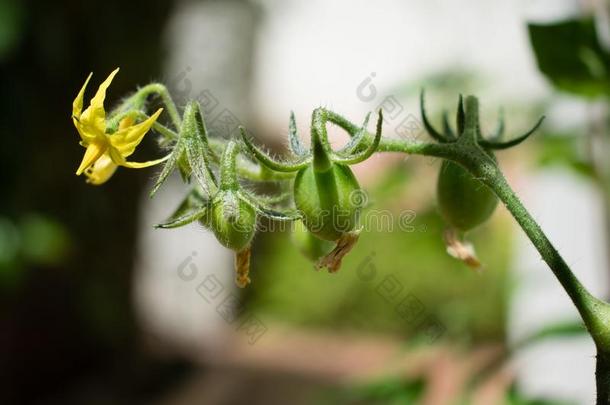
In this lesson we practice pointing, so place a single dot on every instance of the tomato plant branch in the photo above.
(139, 98)
(323, 186)
(594, 312)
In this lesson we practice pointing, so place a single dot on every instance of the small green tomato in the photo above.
(326, 192)
(326, 200)
(464, 201)
(309, 245)
(232, 220)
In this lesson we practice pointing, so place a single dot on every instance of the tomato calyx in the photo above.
(464, 199)
(221, 205)
(324, 183)
(468, 127)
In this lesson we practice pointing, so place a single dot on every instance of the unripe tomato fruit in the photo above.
(308, 244)
(326, 200)
(464, 201)
(232, 220)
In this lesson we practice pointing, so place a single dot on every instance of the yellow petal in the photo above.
(88, 134)
(141, 165)
(116, 157)
(126, 122)
(92, 154)
(95, 115)
(127, 139)
(77, 104)
(101, 170)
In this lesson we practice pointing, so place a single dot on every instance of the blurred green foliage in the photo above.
(516, 397)
(11, 25)
(555, 149)
(66, 315)
(469, 306)
(389, 391)
(395, 389)
(35, 240)
(569, 53)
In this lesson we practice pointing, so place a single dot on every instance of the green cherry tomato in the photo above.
(232, 220)
(328, 200)
(464, 201)
(308, 244)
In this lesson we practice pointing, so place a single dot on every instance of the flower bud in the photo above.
(232, 220)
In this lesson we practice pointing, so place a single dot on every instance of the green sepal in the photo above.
(437, 136)
(296, 146)
(366, 153)
(192, 208)
(270, 162)
(487, 144)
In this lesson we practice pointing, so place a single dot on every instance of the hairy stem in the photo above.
(602, 378)
(594, 312)
(577, 292)
(228, 167)
(161, 90)
(138, 100)
(474, 160)
(414, 148)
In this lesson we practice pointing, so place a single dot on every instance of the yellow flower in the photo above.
(105, 152)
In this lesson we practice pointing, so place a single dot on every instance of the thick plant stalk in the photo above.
(602, 378)
(594, 312)
(577, 292)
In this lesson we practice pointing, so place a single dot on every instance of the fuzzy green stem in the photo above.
(472, 116)
(319, 142)
(413, 148)
(138, 99)
(594, 312)
(246, 168)
(602, 378)
(197, 148)
(228, 167)
(577, 292)
(484, 168)
(342, 122)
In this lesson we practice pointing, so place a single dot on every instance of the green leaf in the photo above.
(198, 161)
(570, 55)
(170, 165)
